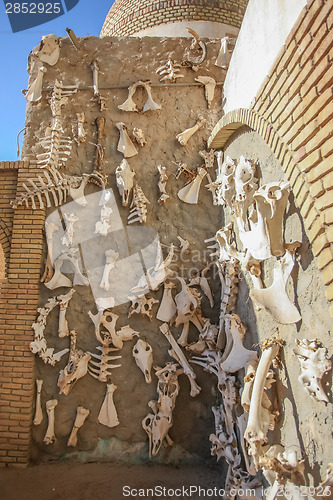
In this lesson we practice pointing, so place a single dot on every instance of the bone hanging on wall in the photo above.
(50, 437)
(143, 355)
(81, 416)
(108, 413)
(38, 410)
(209, 83)
(138, 212)
(125, 145)
(129, 104)
(76, 368)
(124, 179)
(190, 192)
(196, 54)
(184, 137)
(170, 72)
(110, 261)
(162, 185)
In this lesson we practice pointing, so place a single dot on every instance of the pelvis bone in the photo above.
(314, 365)
(129, 104)
(143, 355)
(76, 367)
(275, 298)
(124, 178)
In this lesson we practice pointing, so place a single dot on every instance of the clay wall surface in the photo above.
(123, 62)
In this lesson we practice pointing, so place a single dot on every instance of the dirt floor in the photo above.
(104, 481)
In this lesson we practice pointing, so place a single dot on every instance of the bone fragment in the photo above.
(167, 309)
(237, 356)
(70, 220)
(48, 50)
(188, 309)
(49, 437)
(81, 415)
(99, 156)
(38, 411)
(108, 413)
(124, 178)
(138, 212)
(275, 298)
(162, 185)
(125, 145)
(34, 93)
(95, 69)
(63, 300)
(223, 57)
(110, 257)
(143, 355)
(76, 368)
(209, 84)
(190, 192)
(179, 356)
(171, 72)
(139, 137)
(260, 420)
(314, 365)
(102, 226)
(184, 137)
(72, 255)
(197, 52)
(142, 305)
(81, 133)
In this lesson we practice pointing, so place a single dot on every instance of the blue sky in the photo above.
(86, 19)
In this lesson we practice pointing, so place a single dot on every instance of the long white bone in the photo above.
(50, 437)
(184, 137)
(209, 84)
(63, 300)
(162, 185)
(167, 309)
(108, 413)
(124, 179)
(179, 356)
(143, 355)
(81, 415)
(314, 365)
(260, 420)
(81, 133)
(125, 145)
(190, 192)
(275, 298)
(95, 69)
(38, 411)
(110, 261)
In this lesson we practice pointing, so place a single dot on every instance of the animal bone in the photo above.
(111, 256)
(48, 50)
(76, 367)
(275, 298)
(260, 420)
(72, 255)
(49, 437)
(235, 356)
(184, 246)
(209, 84)
(34, 92)
(158, 423)
(188, 309)
(143, 355)
(139, 137)
(70, 220)
(108, 320)
(177, 353)
(223, 187)
(162, 185)
(81, 133)
(207, 339)
(171, 70)
(167, 309)
(314, 365)
(38, 412)
(198, 45)
(155, 275)
(190, 192)
(63, 301)
(39, 345)
(50, 228)
(138, 206)
(124, 178)
(81, 415)
(202, 281)
(182, 169)
(108, 413)
(95, 69)
(125, 145)
(129, 104)
(223, 57)
(143, 306)
(99, 158)
(102, 226)
(184, 137)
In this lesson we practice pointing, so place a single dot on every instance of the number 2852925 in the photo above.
(33, 8)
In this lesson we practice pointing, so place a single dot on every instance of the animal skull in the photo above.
(143, 355)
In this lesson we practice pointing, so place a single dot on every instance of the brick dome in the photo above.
(128, 17)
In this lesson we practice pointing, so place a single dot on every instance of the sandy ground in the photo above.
(101, 481)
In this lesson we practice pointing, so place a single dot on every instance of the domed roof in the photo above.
(127, 17)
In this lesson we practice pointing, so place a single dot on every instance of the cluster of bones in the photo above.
(247, 410)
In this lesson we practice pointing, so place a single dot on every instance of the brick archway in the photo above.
(308, 182)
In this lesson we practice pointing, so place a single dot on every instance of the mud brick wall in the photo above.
(18, 301)
(293, 113)
(126, 18)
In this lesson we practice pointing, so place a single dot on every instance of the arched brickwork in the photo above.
(128, 17)
(315, 203)
(4, 249)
